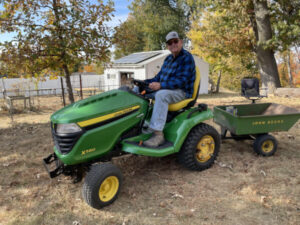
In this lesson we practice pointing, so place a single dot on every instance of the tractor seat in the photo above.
(189, 102)
(250, 87)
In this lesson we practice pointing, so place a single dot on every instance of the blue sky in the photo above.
(120, 15)
(121, 11)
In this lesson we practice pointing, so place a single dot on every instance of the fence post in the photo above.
(80, 81)
(4, 90)
(62, 91)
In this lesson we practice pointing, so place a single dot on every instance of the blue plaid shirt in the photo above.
(177, 73)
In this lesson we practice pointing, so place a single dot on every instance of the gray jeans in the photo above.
(163, 98)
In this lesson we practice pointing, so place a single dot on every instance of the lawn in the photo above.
(240, 188)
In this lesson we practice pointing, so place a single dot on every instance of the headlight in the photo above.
(68, 128)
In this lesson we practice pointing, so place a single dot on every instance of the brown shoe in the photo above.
(156, 140)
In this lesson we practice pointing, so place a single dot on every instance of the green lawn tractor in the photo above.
(90, 132)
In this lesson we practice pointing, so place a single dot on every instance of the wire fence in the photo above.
(57, 91)
(17, 101)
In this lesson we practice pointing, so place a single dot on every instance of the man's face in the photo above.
(174, 45)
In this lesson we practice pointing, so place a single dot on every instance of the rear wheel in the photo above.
(102, 185)
(200, 148)
(265, 145)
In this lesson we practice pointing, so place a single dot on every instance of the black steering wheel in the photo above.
(143, 87)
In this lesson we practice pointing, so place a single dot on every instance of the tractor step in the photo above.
(166, 144)
(135, 146)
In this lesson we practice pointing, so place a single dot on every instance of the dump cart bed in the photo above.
(255, 118)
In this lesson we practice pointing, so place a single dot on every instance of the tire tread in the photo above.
(186, 155)
(93, 180)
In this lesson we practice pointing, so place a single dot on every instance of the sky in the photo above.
(120, 15)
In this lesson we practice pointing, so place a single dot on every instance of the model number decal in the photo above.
(107, 117)
(269, 122)
(88, 151)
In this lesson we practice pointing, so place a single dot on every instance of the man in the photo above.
(173, 83)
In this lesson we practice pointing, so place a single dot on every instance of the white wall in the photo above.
(204, 73)
(154, 67)
(113, 83)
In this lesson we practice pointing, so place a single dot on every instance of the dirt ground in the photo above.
(240, 188)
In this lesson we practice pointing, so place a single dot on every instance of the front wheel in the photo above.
(102, 185)
(265, 145)
(200, 148)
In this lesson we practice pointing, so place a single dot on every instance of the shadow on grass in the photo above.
(220, 95)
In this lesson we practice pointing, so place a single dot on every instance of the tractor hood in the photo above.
(99, 108)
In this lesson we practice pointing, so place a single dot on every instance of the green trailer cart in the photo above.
(255, 121)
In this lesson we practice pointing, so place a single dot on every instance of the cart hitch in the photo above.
(52, 158)
(200, 108)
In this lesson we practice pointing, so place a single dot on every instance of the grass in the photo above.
(250, 190)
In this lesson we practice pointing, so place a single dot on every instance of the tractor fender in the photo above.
(178, 129)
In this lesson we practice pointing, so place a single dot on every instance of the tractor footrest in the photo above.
(140, 144)
(48, 161)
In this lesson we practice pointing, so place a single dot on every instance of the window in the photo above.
(111, 76)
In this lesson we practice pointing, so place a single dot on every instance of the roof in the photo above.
(137, 57)
(84, 73)
(140, 58)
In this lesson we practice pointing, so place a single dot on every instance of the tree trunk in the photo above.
(218, 81)
(56, 23)
(298, 54)
(265, 56)
(68, 81)
(291, 83)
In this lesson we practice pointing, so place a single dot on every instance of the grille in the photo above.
(64, 142)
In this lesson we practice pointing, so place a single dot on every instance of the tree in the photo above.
(285, 20)
(272, 26)
(149, 23)
(265, 54)
(59, 33)
(17, 64)
(226, 46)
(128, 38)
(288, 67)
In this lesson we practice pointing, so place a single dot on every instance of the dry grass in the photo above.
(256, 190)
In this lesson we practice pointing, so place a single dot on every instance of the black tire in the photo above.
(107, 174)
(190, 156)
(265, 145)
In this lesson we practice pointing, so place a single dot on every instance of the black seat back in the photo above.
(250, 87)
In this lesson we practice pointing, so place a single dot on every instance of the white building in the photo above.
(145, 65)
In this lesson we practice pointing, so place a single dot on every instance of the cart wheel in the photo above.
(200, 148)
(102, 185)
(265, 145)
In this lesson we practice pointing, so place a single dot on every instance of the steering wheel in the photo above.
(143, 87)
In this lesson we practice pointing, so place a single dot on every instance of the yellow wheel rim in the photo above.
(108, 188)
(267, 146)
(205, 148)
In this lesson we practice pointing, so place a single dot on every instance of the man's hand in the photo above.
(154, 86)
